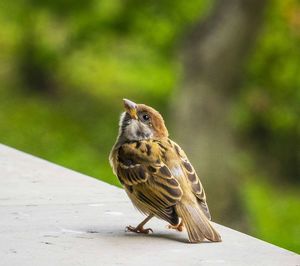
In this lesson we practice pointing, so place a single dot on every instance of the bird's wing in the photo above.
(193, 178)
(148, 181)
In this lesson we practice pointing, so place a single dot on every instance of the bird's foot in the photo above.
(179, 227)
(138, 229)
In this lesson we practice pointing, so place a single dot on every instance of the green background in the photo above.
(66, 65)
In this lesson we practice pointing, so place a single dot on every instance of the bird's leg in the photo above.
(179, 227)
(140, 228)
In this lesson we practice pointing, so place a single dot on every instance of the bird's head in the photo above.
(140, 122)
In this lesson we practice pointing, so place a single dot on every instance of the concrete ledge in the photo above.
(50, 215)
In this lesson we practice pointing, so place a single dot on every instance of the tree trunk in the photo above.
(213, 57)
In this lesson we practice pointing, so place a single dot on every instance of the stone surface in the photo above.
(50, 215)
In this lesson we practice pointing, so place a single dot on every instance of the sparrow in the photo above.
(157, 175)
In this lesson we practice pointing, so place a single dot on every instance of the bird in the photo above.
(157, 175)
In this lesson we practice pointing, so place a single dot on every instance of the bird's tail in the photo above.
(197, 224)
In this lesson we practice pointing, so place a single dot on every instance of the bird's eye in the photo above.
(146, 117)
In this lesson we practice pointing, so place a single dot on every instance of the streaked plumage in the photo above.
(157, 175)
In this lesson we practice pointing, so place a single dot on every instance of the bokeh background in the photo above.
(224, 74)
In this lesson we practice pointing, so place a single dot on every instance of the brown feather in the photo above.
(152, 187)
(159, 179)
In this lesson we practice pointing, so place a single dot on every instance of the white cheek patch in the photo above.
(131, 130)
(146, 130)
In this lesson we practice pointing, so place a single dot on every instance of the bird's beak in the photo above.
(130, 108)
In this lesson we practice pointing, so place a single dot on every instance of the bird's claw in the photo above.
(138, 230)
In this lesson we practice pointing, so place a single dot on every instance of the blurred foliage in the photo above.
(267, 113)
(273, 214)
(66, 65)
